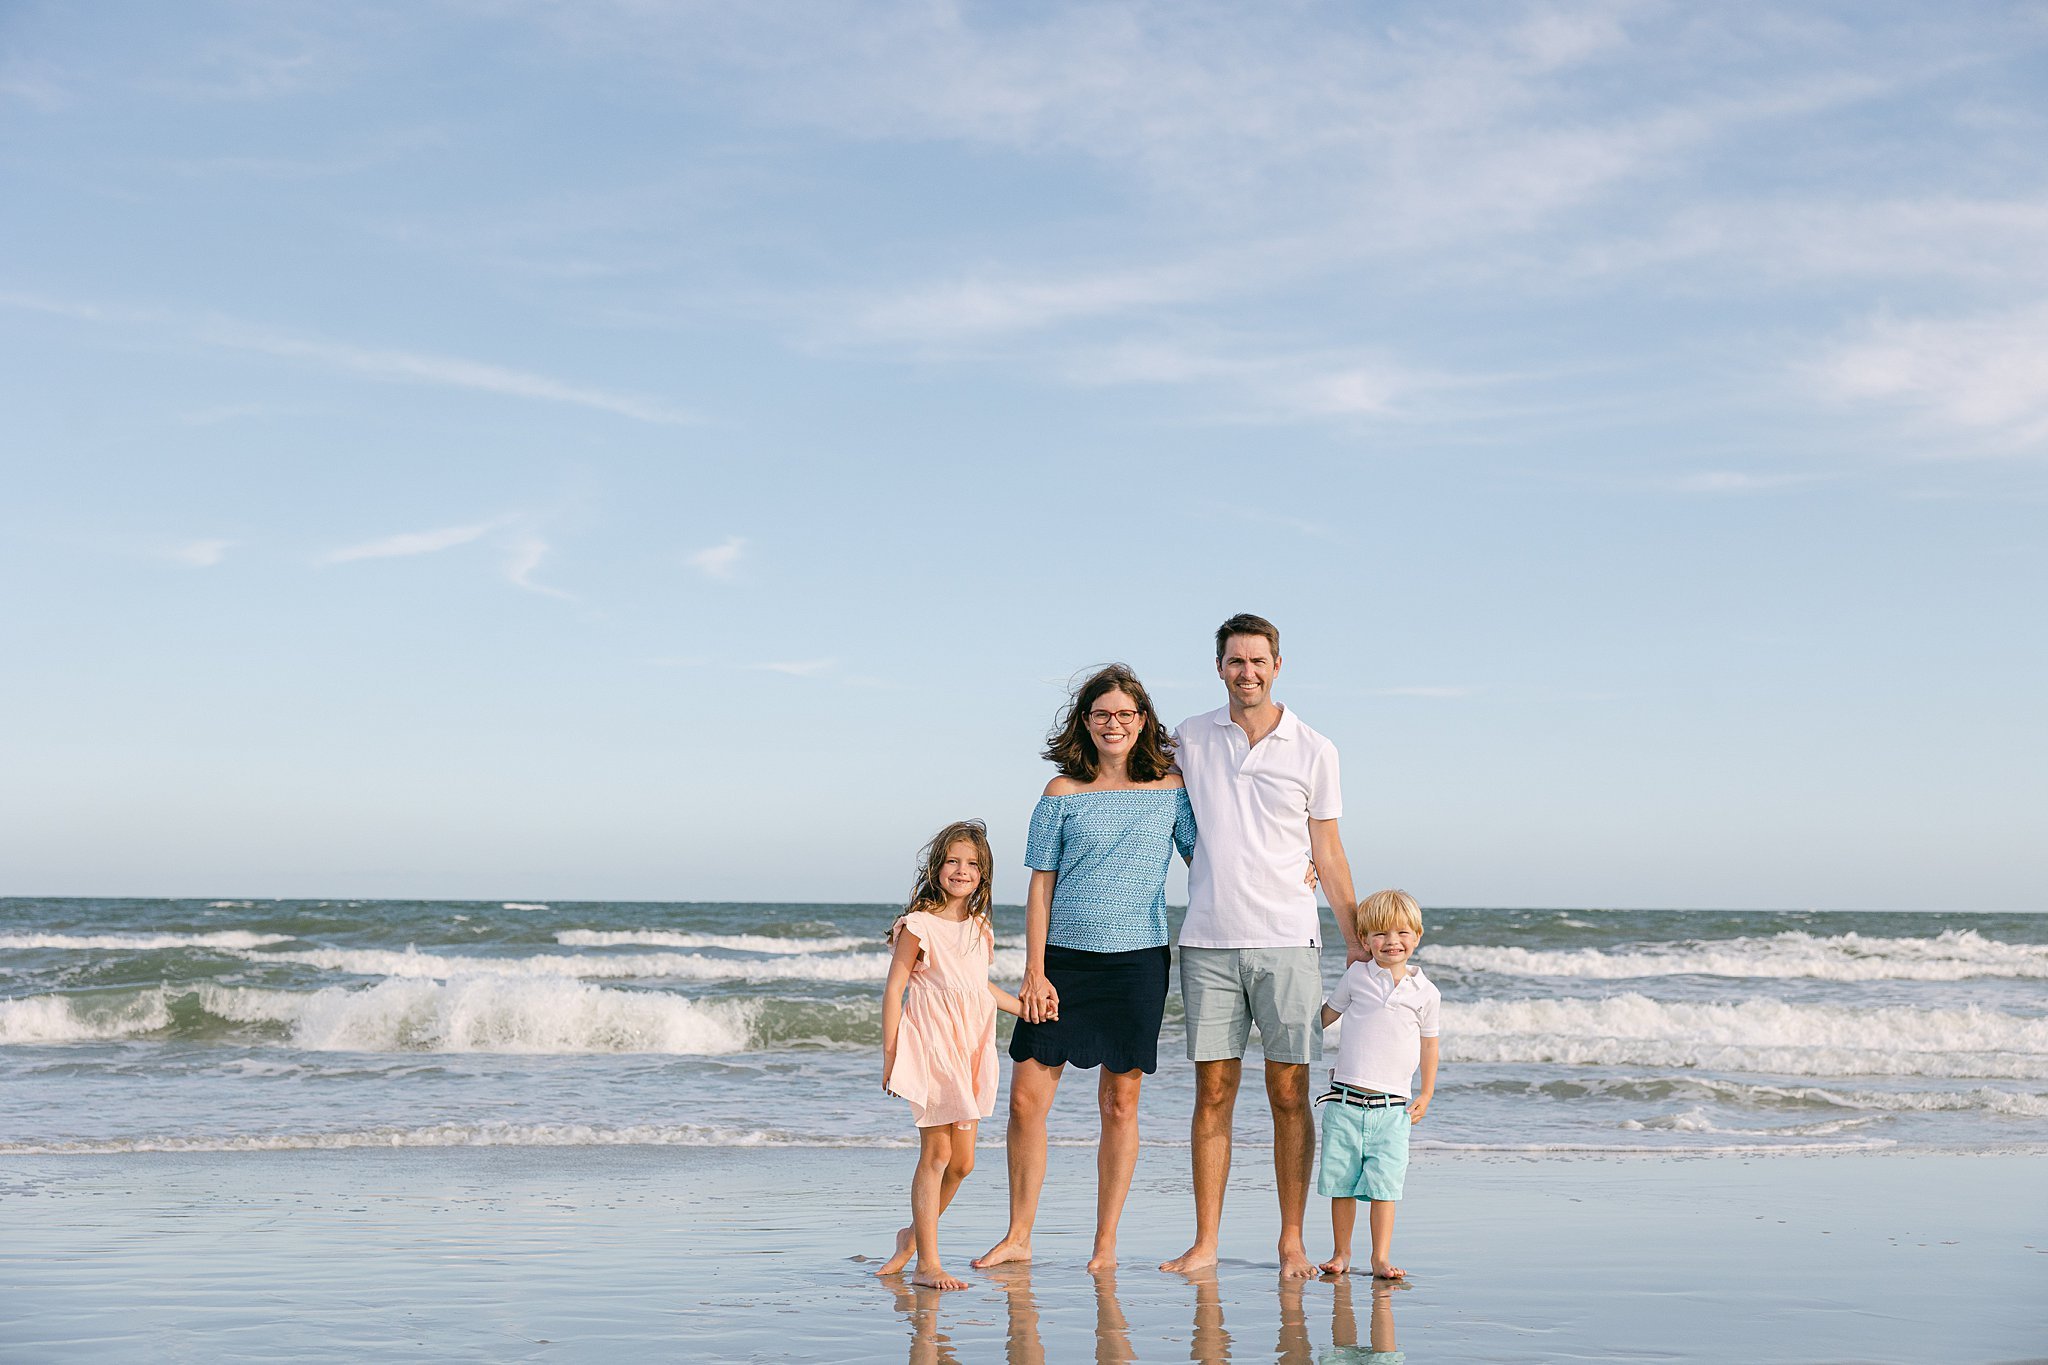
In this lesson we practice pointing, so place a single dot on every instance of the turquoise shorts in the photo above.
(1365, 1152)
(1223, 990)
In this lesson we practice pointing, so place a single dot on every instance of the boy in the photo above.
(1390, 1027)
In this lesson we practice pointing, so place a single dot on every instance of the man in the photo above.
(1265, 792)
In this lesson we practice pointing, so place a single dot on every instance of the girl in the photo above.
(939, 1050)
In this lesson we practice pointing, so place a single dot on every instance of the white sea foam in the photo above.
(1696, 1120)
(227, 939)
(490, 1014)
(739, 943)
(522, 905)
(78, 1019)
(1952, 955)
(412, 963)
(1752, 1036)
(460, 1135)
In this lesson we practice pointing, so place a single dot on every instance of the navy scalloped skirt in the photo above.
(1111, 1005)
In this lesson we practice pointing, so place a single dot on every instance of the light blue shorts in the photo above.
(1223, 990)
(1365, 1152)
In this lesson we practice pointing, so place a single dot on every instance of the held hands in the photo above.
(1041, 1003)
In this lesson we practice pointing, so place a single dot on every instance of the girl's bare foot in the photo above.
(1382, 1271)
(1009, 1249)
(1103, 1259)
(904, 1243)
(1337, 1265)
(936, 1278)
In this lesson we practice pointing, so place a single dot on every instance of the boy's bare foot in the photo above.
(1003, 1252)
(1103, 1259)
(1294, 1261)
(936, 1278)
(1196, 1257)
(904, 1243)
(1382, 1271)
(1337, 1265)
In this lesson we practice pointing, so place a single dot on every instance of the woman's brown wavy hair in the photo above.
(1071, 748)
(926, 893)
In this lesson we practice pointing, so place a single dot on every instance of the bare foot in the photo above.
(1103, 1259)
(904, 1242)
(936, 1278)
(1294, 1262)
(1003, 1252)
(1196, 1257)
(1382, 1271)
(1337, 1265)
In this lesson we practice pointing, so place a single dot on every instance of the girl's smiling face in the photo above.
(960, 874)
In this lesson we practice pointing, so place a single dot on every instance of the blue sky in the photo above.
(673, 451)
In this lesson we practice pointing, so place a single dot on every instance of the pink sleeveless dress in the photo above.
(946, 1042)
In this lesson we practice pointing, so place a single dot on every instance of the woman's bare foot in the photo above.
(1003, 1252)
(1382, 1271)
(936, 1278)
(1103, 1259)
(1337, 1265)
(1196, 1257)
(904, 1243)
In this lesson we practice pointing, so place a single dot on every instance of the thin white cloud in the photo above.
(1730, 481)
(1273, 384)
(799, 668)
(1451, 693)
(1985, 374)
(720, 560)
(525, 555)
(412, 543)
(200, 554)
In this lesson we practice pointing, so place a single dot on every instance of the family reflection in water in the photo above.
(1209, 1340)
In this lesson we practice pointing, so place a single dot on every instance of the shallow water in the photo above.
(238, 1025)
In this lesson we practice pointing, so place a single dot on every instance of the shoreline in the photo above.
(507, 1253)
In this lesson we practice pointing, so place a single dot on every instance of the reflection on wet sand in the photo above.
(920, 1307)
(1025, 1346)
(1379, 1348)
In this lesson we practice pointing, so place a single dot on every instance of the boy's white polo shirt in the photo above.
(1385, 1022)
(1252, 806)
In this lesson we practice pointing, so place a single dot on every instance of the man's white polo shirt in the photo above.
(1385, 1022)
(1252, 806)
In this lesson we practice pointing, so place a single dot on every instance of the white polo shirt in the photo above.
(1385, 1022)
(1252, 806)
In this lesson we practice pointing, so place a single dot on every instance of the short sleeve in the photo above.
(1325, 794)
(1184, 825)
(914, 922)
(1432, 1008)
(1042, 845)
(1340, 994)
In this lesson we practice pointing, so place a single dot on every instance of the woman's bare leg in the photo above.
(1115, 1159)
(1032, 1087)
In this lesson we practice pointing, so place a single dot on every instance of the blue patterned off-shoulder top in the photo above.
(1111, 850)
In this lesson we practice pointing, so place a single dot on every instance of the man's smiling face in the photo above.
(1248, 667)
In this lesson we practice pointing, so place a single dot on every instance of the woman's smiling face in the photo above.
(1114, 723)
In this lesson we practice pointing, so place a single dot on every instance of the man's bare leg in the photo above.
(1294, 1154)
(1209, 1136)
(1032, 1087)
(1116, 1157)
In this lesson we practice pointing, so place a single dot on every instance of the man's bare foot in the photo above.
(1382, 1271)
(1103, 1259)
(1294, 1262)
(936, 1278)
(1003, 1252)
(1337, 1265)
(904, 1243)
(1196, 1257)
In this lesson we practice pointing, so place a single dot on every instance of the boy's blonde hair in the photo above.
(1384, 910)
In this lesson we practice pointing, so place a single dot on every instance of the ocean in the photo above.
(225, 1026)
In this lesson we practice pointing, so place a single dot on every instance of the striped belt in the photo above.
(1363, 1099)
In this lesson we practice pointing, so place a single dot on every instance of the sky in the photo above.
(670, 451)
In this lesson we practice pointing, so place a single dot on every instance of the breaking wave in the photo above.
(1953, 955)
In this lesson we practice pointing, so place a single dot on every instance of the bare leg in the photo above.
(1381, 1220)
(1209, 1135)
(1116, 1157)
(1343, 1218)
(1032, 1087)
(935, 1153)
(1294, 1154)
(957, 1170)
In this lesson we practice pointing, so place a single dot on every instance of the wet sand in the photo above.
(749, 1254)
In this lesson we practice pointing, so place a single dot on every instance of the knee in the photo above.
(934, 1160)
(1027, 1107)
(962, 1164)
(1119, 1107)
(1288, 1092)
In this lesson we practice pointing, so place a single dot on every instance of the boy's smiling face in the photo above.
(1392, 948)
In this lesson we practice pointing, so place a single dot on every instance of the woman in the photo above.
(1096, 960)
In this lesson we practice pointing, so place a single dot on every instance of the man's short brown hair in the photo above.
(1244, 623)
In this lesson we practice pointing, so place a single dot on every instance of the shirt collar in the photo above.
(1414, 973)
(1284, 730)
